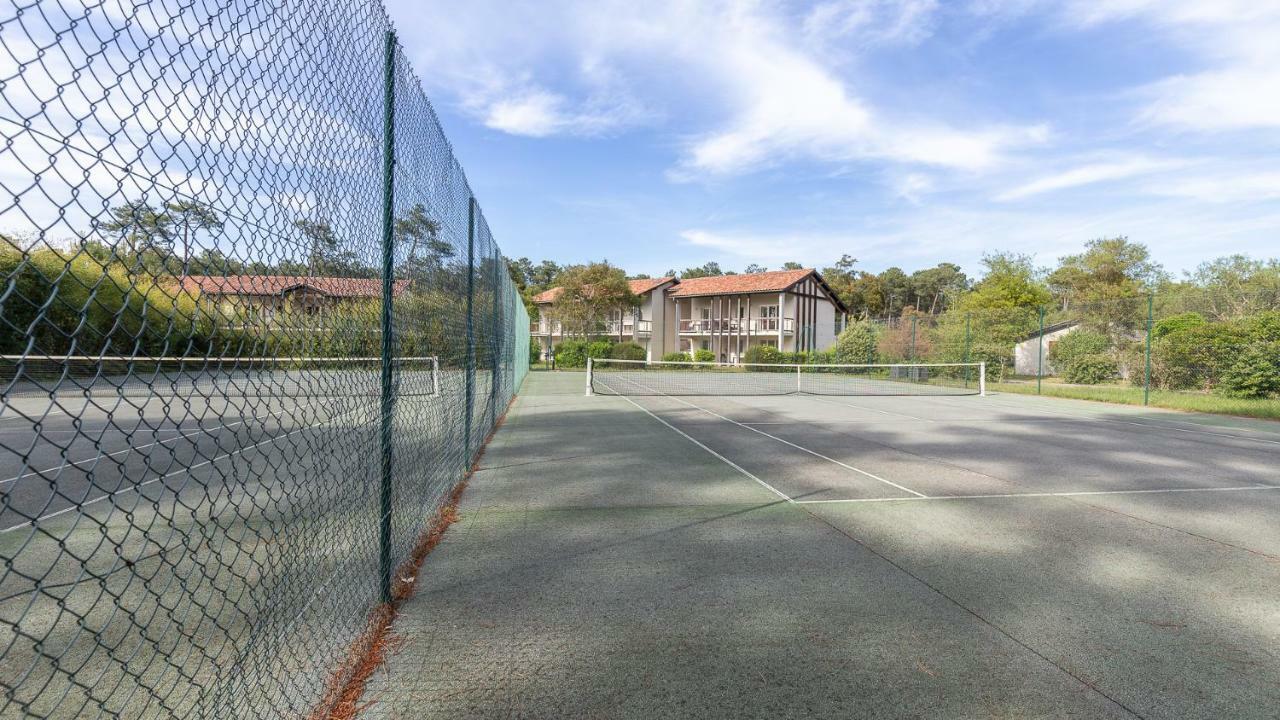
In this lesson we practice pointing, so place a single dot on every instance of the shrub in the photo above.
(1255, 373)
(676, 357)
(766, 354)
(535, 353)
(701, 355)
(1175, 323)
(628, 351)
(1091, 369)
(1076, 345)
(599, 348)
(571, 354)
(856, 344)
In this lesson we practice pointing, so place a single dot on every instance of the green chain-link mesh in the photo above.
(197, 520)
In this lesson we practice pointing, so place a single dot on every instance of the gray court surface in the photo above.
(177, 553)
(797, 556)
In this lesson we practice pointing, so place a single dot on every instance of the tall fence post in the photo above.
(967, 346)
(495, 345)
(912, 356)
(471, 331)
(388, 286)
(1146, 383)
(1040, 353)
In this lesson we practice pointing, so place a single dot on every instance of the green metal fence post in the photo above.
(967, 347)
(1146, 383)
(1040, 353)
(471, 332)
(912, 356)
(388, 261)
(495, 345)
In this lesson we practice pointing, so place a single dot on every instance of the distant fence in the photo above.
(1190, 339)
(201, 510)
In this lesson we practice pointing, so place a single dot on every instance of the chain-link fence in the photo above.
(1187, 339)
(254, 332)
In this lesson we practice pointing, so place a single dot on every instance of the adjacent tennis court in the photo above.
(674, 546)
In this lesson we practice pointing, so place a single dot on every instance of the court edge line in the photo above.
(33, 523)
(715, 454)
(1074, 493)
(801, 448)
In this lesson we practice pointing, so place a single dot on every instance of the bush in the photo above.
(535, 353)
(628, 351)
(1091, 369)
(1074, 346)
(701, 355)
(1255, 373)
(1176, 323)
(571, 354)
(599, 348)
(676, 357)
(766, 354)
(856, 344)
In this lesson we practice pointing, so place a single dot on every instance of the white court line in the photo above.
(189, 468)
(1077, 493)
(93, 460)
(717, 455)
(798, 447)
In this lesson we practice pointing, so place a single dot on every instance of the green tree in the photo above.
(591, 294)
(423, 250)
(190, 217)
(754, 268)
(792, 266)
(857, 343)
(1108, 269)
(711, 269)
(1010, 281)
(936, 287)
(895, 287)
(135, 230)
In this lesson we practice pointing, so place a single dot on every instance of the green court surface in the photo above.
(800, 556)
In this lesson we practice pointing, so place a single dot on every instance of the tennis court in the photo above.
(653, 554)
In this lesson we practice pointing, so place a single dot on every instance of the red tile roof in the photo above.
(639, 287)
(279, 284)
(775, 281)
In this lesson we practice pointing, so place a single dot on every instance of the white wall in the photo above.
(1026, 354)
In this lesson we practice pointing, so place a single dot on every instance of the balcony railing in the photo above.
(733, 326)
(607, 328)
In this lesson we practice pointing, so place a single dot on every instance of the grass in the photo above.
(1267, 409)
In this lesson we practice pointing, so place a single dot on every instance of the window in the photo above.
(768, 311)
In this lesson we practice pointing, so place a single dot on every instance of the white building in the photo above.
(1027, 353)
(788, 309)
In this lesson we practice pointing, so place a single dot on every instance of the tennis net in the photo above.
(213, 376)
(640, 377)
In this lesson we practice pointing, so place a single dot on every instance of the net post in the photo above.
(471, 334)
(982, 378)
(590, 372)
(388, 284)
(798, 385)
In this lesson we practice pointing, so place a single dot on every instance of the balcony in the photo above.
(734, 326)
(608, 328)
(543, 328)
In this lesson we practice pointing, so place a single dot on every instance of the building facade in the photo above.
(788, 309)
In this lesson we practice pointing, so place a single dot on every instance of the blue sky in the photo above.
(666, 134)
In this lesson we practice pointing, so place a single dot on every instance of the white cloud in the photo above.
(759, 78)
(1221, 187)
(1087, 175)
